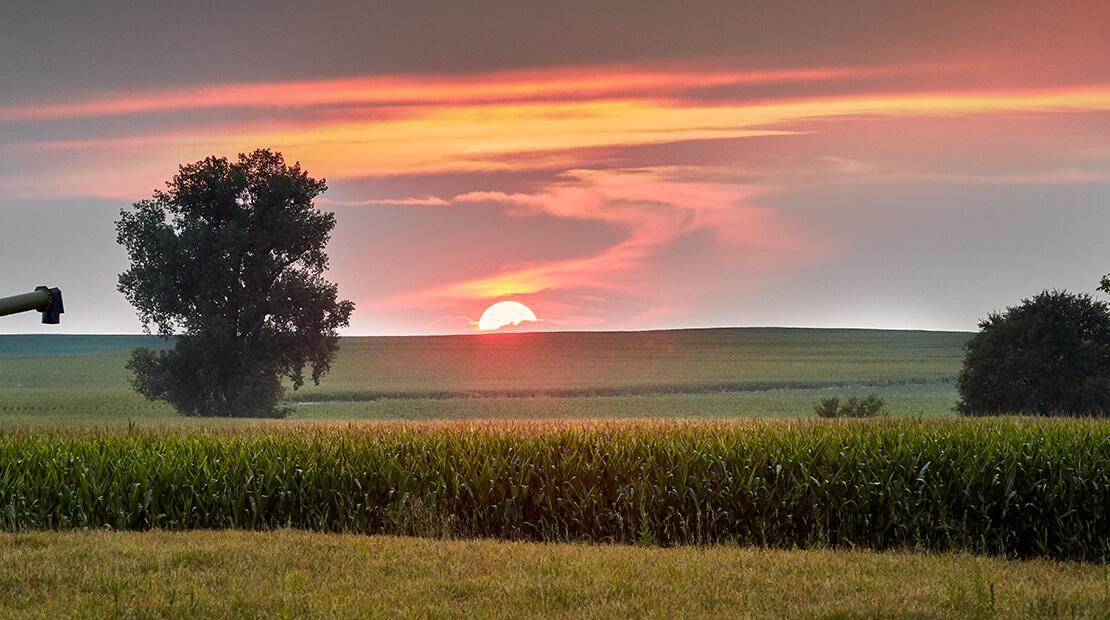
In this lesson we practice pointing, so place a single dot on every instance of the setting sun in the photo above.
(505, 313)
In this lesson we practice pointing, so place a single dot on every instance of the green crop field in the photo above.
(719, 373)
(1018, 488)
(640, 466)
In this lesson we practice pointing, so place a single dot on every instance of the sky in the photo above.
(612, 165)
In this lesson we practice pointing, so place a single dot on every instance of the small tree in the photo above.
(229, 260)
(1049, 355)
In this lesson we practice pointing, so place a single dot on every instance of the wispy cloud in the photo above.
(497, 122)
(656, 206)
(425, 201)
(550, 85)
(451, 323)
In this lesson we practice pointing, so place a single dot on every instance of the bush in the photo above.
(827, 408)
(867, 407)
(1050, 355)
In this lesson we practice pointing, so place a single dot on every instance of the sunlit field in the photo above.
(291, 573)
(724, 373)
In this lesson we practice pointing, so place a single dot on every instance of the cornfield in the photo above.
(1013, 487)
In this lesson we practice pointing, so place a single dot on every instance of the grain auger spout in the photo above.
(46, 300)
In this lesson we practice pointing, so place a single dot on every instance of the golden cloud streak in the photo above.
(523, 136)
(485, 137)
(597, 82)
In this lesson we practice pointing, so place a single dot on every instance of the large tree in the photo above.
(1049, 355)
(229, 262)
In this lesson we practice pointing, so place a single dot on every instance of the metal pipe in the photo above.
(48, 301)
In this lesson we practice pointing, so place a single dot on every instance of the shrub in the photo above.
(855, 407)
(1050, 355)
(827, 408)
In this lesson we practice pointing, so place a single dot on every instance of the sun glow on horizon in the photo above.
(505, 313)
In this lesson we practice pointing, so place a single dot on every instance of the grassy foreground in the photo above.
(293, 573)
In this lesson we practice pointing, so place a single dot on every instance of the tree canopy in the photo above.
(1049, 355)
(229, 261)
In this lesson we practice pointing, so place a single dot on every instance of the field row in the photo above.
(43, 408)
(1021, 488)
(551, 363)
(714, 373)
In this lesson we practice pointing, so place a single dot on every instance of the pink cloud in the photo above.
(657, 206)
(559, 84)
(421, 201)
(451, 324)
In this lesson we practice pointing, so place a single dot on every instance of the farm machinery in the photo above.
(46, 300)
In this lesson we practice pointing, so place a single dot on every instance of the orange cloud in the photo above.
(575, 83)
(518, 135)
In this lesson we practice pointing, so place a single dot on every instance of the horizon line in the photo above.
(560, 331)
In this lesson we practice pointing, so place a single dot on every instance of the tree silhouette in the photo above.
(1049, 355)
(228, 261)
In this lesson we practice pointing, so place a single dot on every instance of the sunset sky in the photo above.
(612, 165)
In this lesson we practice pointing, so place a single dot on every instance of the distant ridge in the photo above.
(39, 345)
(631, 390)
(681, 330)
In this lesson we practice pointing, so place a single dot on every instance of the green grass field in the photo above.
(719, 373)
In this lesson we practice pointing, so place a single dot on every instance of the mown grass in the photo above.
(290, 573)
(60, 380)
(1016, 488)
